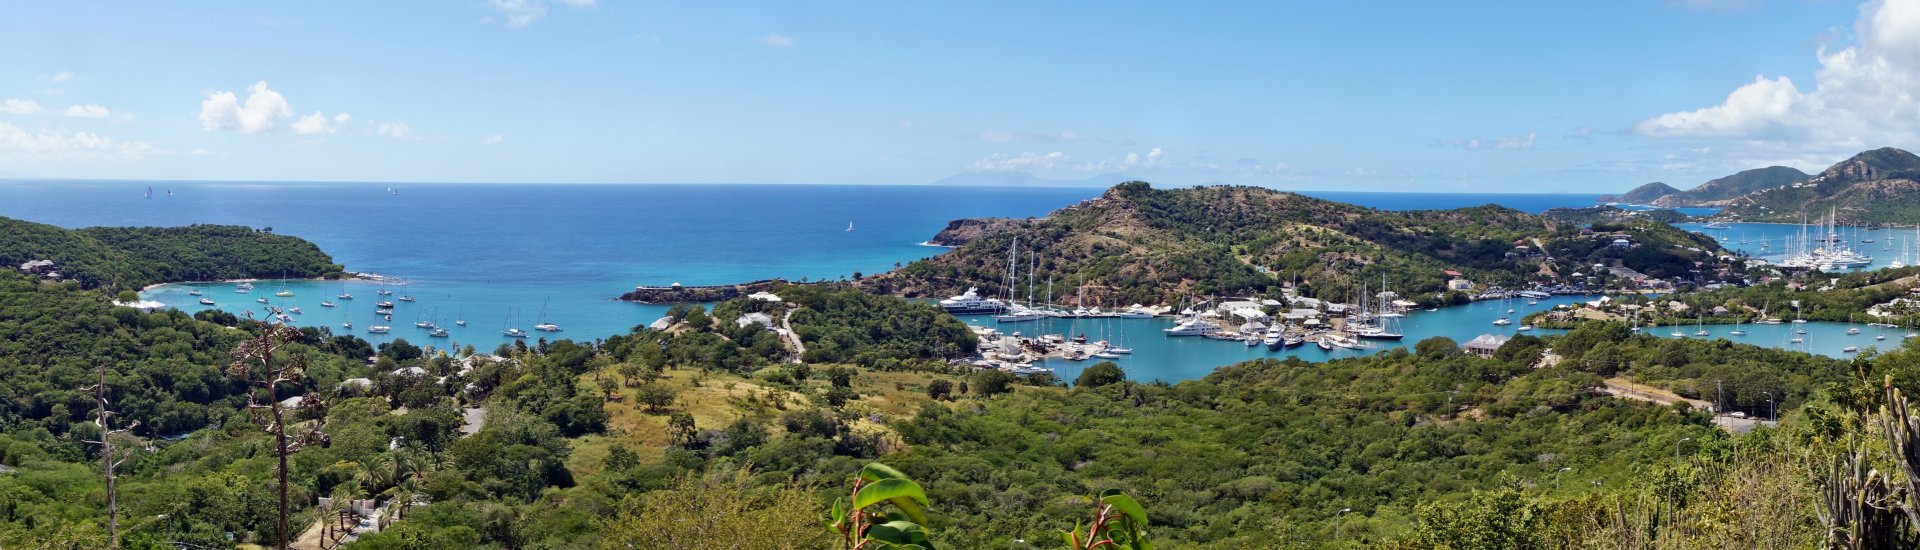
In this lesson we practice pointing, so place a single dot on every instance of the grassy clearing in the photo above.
(717, 399)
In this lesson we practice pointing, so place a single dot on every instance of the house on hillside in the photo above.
(1484, 345)
(756, 317)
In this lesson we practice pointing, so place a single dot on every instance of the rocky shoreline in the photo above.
(678, 294)
(965, 230)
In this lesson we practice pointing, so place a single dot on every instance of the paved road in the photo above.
(786, 331)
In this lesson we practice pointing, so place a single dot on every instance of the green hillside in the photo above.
(133, 257)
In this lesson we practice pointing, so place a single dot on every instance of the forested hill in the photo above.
(1741, 183)
(1136, 244)
(1878, 186)
(1644, 194)
(132, 257)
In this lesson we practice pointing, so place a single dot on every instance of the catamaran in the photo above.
(544, 325)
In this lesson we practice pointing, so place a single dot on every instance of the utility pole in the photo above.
(110, 457)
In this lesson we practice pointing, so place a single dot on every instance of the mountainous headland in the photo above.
(1137, 244)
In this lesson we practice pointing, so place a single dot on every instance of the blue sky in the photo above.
(1427, 96)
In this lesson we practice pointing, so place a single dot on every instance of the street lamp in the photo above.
(1676, 448)
(1556, 475)
(1337, 517)
(1773, 408)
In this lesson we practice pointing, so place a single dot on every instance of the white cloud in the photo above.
(493, 139)
(1026, 160)
(20, 107)
(1154, 158)
(1515, 143)
(44, 145)
(1361, 172)
(61, 76)
(520, 13)
(90, 110)
(777, 40)
(395, 130)
(1861, 96)
(223, 111)
(1008, 136)
(318, 123)
(202, 152)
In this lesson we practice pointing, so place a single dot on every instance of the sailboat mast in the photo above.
(1013, 267)
(1033, 263)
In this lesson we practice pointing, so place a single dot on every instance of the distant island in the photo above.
(1881, 186)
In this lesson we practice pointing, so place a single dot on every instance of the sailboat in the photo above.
(1701, 325)
(1739, 328)
(149, 192)
(1851, 330)
(849, 227)
(1118, 347)
(512, 331)
(543, 325)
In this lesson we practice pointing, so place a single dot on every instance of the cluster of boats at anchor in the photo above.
(1374, 317)
(1827, 245)
(426, 319)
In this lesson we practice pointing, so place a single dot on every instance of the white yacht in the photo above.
(1503, 321)
(438, 333)
(424, 324)
(547, 327)
(514, 333)
(1273, 337)
(1017, 313)
(379, 329)
(327, 304)
(971, 302)
(194, 292)
(345, 296)
(1193, 327)
(206, 302)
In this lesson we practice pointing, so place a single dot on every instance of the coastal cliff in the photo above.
(965, 230)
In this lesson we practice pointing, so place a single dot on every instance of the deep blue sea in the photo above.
(498, 255)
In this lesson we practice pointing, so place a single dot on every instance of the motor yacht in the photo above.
(1193, 327)
(971, 302)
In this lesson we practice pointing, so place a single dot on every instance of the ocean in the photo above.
(513, 255)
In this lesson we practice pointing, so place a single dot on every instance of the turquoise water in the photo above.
(496, 255)
(1770, 241)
